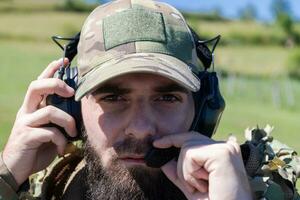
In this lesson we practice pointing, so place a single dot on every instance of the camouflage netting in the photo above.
(272, 167)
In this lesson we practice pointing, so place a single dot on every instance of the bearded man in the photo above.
(138, 76)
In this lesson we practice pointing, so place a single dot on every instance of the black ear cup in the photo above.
(209, 104)
(70, 76)
(69, 105)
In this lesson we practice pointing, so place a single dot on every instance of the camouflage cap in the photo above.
(133, 36)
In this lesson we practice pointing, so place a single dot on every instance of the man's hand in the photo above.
(31, 146)
(206, 169)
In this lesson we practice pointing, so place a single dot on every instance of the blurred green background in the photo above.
(258, 63)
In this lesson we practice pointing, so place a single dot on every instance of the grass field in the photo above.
(256, 92)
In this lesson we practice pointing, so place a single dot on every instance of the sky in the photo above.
(231, 8)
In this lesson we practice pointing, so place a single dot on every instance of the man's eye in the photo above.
(112, 98)
(168, 98)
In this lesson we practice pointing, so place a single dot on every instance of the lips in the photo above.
(133, 159)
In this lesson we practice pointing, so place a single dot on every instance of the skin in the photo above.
(142, 108)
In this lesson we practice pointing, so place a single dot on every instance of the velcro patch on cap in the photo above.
(133, 25)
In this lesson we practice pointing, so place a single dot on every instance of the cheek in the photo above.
(176, 120)
(101, 129)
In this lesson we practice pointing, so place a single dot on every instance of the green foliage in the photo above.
(280, 6)
(240, 32)
(28, 6)
(77, 6)
(281, 11)
(248, 13)
(255, 38)
(215, 16)
(286, 22)
(293, 64)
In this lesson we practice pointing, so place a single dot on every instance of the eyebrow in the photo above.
(117, 89)
(111, 88)
(171, 88)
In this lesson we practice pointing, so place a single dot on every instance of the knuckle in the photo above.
(50, 110)
(32, 85)
(53, 131)
(188, 153)
(52, 63)
(58, 137)
(22, 133)
(54, 83)
(188, 178)
(228, 152)
(70, 121)
(233, 148)
(21, 122)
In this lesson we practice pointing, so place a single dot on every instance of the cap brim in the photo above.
(160, 64)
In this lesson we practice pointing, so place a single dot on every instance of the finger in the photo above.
(50, 70)
(233, 142)
(178, 140)
(185, 168)
(51, 114)
(199, 196)
(200, 174)
(232, 138)
(43, 103)
(39, 88)
(50, 134)
(198, 184)
(170, 170)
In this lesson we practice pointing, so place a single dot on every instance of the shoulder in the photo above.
(272, 166)
(52, 182)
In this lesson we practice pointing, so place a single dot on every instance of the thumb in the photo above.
(170, 170)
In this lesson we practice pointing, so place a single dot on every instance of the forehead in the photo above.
(142, 81)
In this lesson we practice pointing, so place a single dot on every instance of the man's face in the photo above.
(137, 107)
(124, 115)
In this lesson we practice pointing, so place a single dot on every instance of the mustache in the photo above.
(133, 146)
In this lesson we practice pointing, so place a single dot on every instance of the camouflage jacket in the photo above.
(272, 168)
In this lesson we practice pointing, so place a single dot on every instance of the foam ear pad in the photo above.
(209, 104)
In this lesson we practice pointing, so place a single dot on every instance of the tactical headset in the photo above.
(209, 103)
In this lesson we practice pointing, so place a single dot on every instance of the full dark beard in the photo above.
(119, 182)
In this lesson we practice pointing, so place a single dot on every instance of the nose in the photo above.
(141, 122)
